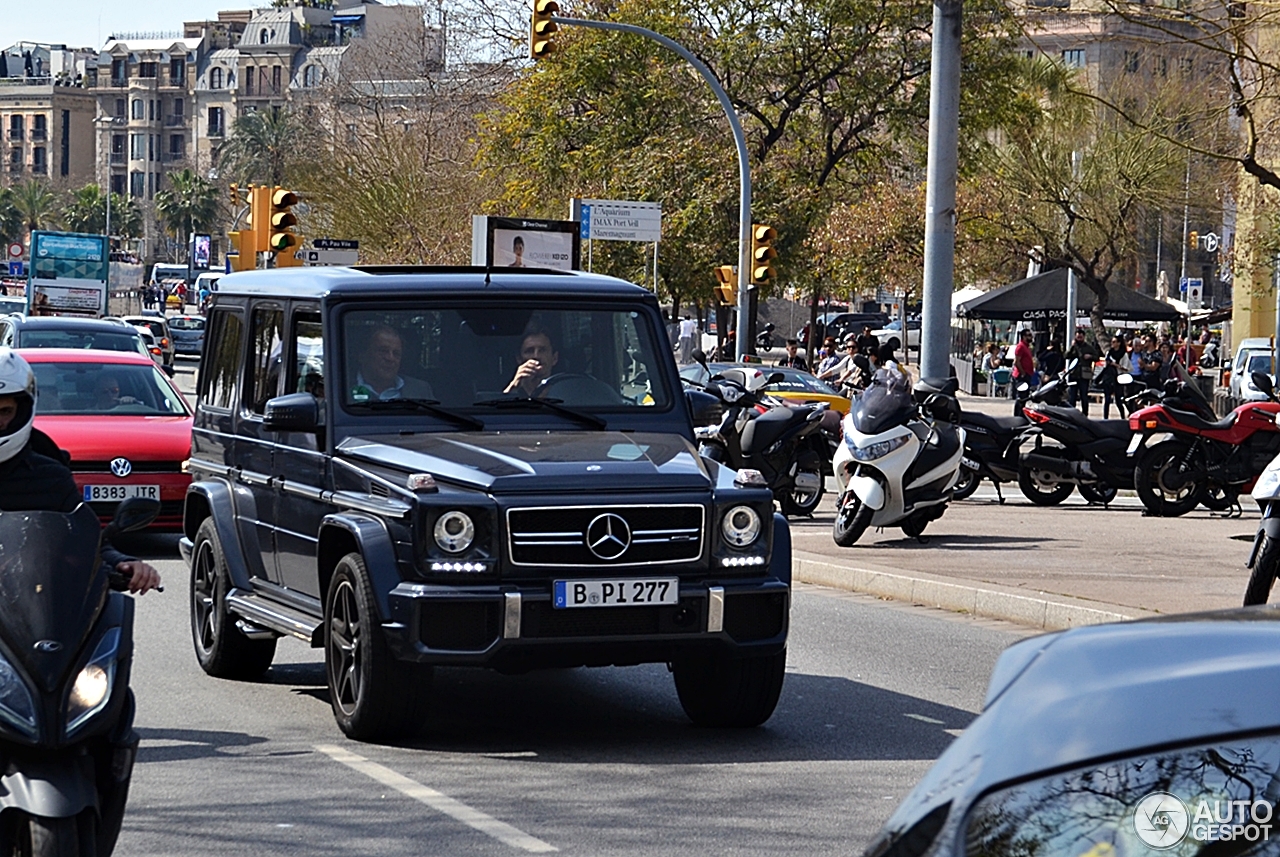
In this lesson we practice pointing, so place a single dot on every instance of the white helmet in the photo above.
(17, 379)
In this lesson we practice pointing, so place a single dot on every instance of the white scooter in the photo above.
(900, 457)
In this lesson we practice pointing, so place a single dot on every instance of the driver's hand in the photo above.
(141, 576)
(528, 369)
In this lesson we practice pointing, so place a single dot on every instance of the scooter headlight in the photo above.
(741, 526)
(92, 687)
(1268, 485)
(16, 706)
(877, 450)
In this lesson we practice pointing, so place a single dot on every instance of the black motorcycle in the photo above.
(1092, 455)
(785, 444)
(990, 452)
(66, 710)
(764, 339)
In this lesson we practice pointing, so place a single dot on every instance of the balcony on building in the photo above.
(174, 157)
(117, 158)
(15, 133)
(40, 169)
(39, 134)
(176, 121)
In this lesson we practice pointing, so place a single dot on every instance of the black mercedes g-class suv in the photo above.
(421, 466)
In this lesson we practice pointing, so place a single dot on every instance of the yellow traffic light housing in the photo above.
(245, 258)
(727, 285)
(256, 223)
(542, 28)
(1193, 240)
(281, 239)
(762, 253)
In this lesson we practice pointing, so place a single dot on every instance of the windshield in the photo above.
(1215, 798)
(801, 382)
(186, 323)
(884, 404)
(103, 340)
(464, 357)
(113, 389)
(1259, 363)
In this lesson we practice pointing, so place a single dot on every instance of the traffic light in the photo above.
(282, 240)
(542, 28)
(245, 258)
(257, 223)
(727, 288)
(1193, 240)
(762, 253)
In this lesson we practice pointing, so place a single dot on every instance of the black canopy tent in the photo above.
(1044, 297)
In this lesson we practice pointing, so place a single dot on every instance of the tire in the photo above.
(852, 519)
(374, 696)
(1217, 498)
(1265, 567)
(1150, 476)
(54, 837)
(1098, 494)
(802, 503)
(966, 484)
(1043, 493)
(720, 691)
(221, 649)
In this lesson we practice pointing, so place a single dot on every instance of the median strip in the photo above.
(442, 803)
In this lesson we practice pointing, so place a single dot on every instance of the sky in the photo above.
(88, 23)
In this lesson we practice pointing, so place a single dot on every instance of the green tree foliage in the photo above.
(86, 211)
(190, 204)
(37, 205)
(268, 147)
(10, 218)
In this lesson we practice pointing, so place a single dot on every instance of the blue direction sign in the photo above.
(16, 269)
(586, 222)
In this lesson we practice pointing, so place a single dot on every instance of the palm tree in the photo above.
(10, 218)
(189, 205)
(36, 203)
(86, 211)
(264, 146)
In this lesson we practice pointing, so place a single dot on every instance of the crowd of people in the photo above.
(1147, 357)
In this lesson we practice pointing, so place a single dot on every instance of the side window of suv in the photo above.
(266, 351)
(306, 366)
(221, 372)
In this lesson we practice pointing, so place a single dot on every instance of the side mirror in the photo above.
(132, 514)
(169, 370)
(292, 412)
(1262, 381)
(1124, 379)
(704, 408)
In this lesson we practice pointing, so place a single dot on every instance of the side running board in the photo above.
(275, 616)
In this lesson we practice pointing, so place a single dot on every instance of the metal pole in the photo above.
(1275, 343)
(940, 197)
(1073, 290)
(1186, 217)
(744, 164)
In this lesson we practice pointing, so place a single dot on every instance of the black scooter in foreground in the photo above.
(66, 710)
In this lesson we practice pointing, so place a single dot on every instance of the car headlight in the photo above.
(877, 450)
(92, 687)
(740, 526)
(16, 707)
(454, 531)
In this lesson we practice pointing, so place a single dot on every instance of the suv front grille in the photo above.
(621, 535)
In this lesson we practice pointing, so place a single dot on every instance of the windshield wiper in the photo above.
(582, 417)
(427, 406)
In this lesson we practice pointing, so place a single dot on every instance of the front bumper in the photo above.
(515, 628)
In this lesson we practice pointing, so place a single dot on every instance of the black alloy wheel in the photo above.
(1166, 484)
(221, 649)
(966, 484)
(852, 519)
(1097, 493)
(1039, 488)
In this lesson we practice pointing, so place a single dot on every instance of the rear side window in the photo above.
(265, 354)
(220, 373)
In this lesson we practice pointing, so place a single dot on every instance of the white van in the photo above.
(1252, 355)
(162, 271)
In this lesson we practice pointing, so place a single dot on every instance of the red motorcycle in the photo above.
(1201, 460)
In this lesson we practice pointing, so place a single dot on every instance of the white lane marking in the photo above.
(455, 809)
(923, 719)
(955, 733)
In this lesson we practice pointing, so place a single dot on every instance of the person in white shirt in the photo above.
(688, 330)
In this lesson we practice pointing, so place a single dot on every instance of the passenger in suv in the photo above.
(515, 517)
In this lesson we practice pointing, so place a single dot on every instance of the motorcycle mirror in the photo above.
(1072, 364)
(132, 514)
(1124, 379)
(1262, 381)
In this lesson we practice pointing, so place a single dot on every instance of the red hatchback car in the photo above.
(125, 424)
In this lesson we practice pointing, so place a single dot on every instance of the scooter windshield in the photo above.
(885, 403)
(51, 587)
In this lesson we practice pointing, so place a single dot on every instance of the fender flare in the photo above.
(58, 785)
(373, 542)
(215, 497)
(780, 556)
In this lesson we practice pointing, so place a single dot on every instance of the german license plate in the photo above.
(111, 493)
(625, 592)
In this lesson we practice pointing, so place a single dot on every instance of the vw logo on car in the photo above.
(121, 467)
(608, 536)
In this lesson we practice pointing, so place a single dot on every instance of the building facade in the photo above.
(46, 115)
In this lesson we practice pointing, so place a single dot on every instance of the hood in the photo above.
(1063, 700)
(541, 462)
(102, 438)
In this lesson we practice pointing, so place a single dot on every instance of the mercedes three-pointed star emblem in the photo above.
(608, 536)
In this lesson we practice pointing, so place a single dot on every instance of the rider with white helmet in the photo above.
(33, 471)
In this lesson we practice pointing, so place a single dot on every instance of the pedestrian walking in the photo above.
(688, 330)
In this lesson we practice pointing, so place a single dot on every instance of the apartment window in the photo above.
(137, 184)
(146, 69)
(39, 127)
(64, 161)
(249, 75)
(151, 147)
(151, 109)
(1073, 58)
(215, 122)
(122, 108)
(119, 71)
(1162, 66)
(117, 184)
(215, 78)
(137, 146)
(177, 72)
(179, 110)
(16, 127)
(309, 76)
(177, 147)
(1132, 61)
(15, 157)
(117, 144)
(275, 79)
(39, 164)
(138, 110)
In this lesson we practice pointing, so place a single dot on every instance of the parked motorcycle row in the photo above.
(902, 455)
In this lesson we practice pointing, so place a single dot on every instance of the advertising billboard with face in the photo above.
(509, 242)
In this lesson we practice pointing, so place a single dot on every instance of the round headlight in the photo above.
(454, 531)
(741, 526)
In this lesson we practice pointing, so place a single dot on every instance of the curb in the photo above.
(1038, 611)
